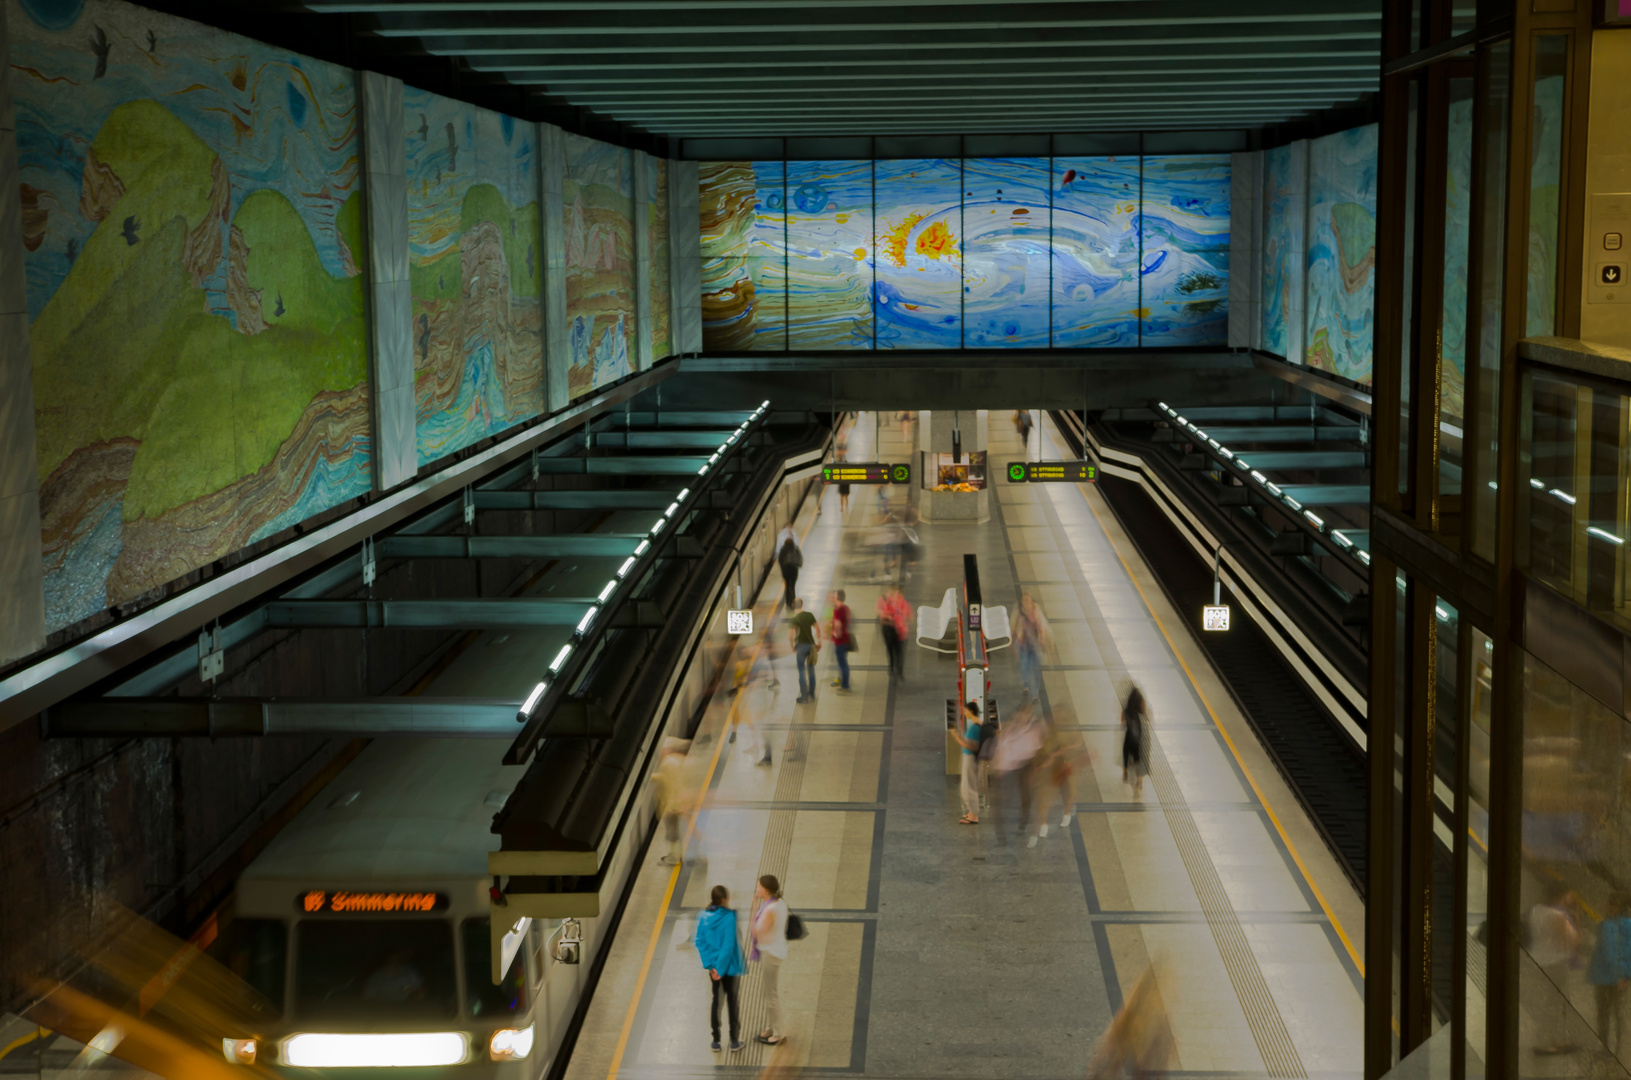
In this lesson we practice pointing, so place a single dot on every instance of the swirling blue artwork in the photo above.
(1095, 252)
(1007, 216)
(1342, 252)
(829, 254)
(1184, 231)
(1283, 198)
(918, 283)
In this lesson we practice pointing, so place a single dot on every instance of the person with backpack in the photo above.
(1610, 969)
(790, 560)
(767, 931)
(970, 738)
(843, 639)
(720, 949)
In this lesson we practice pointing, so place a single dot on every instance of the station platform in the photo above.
(939, 949)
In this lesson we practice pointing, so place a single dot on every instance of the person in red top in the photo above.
(893, 614)
(839, 629)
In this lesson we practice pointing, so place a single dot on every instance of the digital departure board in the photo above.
(341, 901)
(866, 472)
(1065, 472)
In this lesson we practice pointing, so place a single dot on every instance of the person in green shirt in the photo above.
(804, 635)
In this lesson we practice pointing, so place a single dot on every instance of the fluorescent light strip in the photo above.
(1443, 616)
(1364, 557)
(1319, 522)
(673, 506)
(588, 619)
(1163, 405)
(559, 662)
(658, 527)
(628, 564)
(1274, 489)
(1259, 477)
(607, 589)
(645, 546)
(683, 493)
(1293, 503)
(1604, 535)
(1214, 444)
(703, 471)
(1539, 485)
(1564, 495)
(1226, 452)
(1341, 539)
(532, 699)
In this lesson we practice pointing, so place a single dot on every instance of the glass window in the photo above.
(1452, 369)
(1479, 686)
(1446, 772)
(256, 951)
(1574, 870)
(1405, 347)
(1484, 335)
(1545, 178)
(357, 969)
(510, 995)
(1401, 765)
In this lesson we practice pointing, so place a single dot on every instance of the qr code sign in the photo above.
(739, 622)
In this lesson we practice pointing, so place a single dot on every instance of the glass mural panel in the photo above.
(744, 256)
(1342, 253)
(1096, 252)
(1007, 220)
(917, 291)
(829, 255)
(1184, 251)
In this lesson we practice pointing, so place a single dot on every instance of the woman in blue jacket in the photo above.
(1610, 968)
(720, 948)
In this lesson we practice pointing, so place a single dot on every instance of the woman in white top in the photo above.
(768, 930)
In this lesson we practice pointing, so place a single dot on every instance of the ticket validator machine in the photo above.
(972, 660)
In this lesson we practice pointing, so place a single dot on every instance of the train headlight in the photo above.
(239, 1051)
(510, 1044)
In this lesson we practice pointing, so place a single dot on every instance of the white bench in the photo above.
(994, 625)
(937, 626)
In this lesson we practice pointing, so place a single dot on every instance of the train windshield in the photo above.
(356, 969)
(510, 995)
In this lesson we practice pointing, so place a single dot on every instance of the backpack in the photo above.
(988, 739)
(795, 928)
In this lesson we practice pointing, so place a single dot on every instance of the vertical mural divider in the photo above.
(787, 266)
(685, 231)
(642, 357)
(552, 241)
(872, 292)
(1050, 242)
(1140, 230)
(22, 601)
(390, 288)
(962, 263)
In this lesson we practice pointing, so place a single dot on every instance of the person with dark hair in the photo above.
(843, 641)
(1135, 742)
(790, 560)
(893, 616)
(804, 636)
(720, 949)
(969, 739)
(768, 931)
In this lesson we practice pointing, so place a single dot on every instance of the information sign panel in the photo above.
(1215, 617)
(739, 622)
(866, 472)
(1056, 472)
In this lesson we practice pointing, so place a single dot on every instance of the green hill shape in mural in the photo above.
(125, 348)
(1356, 232)
(440, 278)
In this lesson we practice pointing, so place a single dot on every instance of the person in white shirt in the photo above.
(768, 933)
(1554, 944)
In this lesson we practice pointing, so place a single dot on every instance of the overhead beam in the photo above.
(477, 614)
(426, 717)
(665, 465)
(595, 545)
(1011, 87)
(909, 64)
(573, 500)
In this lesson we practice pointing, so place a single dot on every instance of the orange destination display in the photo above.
(344, 902)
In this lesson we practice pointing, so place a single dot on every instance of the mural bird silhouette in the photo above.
(280, 309)
(152, 43)
(424, 336)
(452, 150)
(100, 46)
(73, 249)
(424, 128)
(129, 231)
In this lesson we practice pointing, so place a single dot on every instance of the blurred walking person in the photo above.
(1610, 970)
(804, 635)
(1135, 741)
(668, 788)
(767, 930)
(1032, 637)
(893, 614)
(790, 559)
(1014, 762)
(1554, 945)
(1022, 427)
(1062, 756)
(842, 636)
(1139, 1040)
(719, 947)
(969, 739)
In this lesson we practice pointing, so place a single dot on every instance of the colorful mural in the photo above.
(829, 255)
(1341, 283)
(478, 346)
(1095, 252)
(1184, 245)
(1007, 204)
(1283, 209)
(661, 252)
(599, 198)
(1457, 233)
(744, 255)
(918, 268)
(193, 233)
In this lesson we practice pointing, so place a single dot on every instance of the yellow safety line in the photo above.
(1353, 954)
(37, 1033)
(691, 825)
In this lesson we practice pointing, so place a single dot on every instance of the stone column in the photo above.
(642, 352)
(552, 224)
(390, 293)
(685, 248)
(22, 590)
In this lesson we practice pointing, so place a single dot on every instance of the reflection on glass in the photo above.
(1572, 960)
(1401, 739)
(1480, 685)
(1406, 346)
(1484, 421)
(1545, 174)
(1452, 368)
(1445, 773)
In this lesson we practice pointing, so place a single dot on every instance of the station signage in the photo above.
(1215, 617)
(345, 902)
(1054, 472)
(866, 472)
(739, 621)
